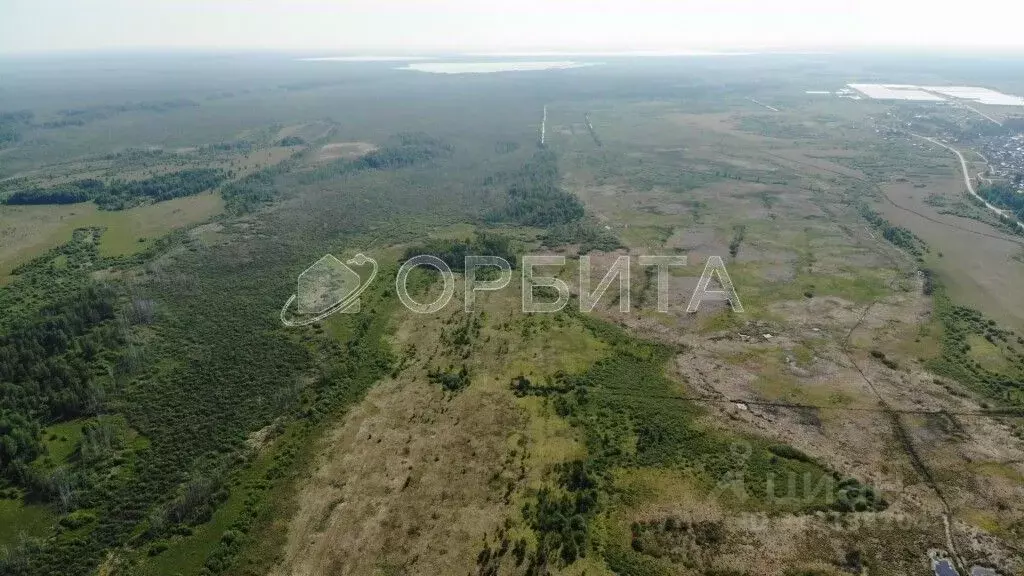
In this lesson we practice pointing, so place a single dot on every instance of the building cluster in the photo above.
(1005, 156)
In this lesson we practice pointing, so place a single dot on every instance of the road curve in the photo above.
(967, 180)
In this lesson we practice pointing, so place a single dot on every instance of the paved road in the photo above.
(967, 179)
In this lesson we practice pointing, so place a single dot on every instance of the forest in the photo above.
(71, 193)
(50, 371)
(122, 194)
(454, 252)
(588, 234)
(82, 116)
(1004, 196)
(534, 197)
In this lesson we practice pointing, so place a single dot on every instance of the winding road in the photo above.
(967, 180)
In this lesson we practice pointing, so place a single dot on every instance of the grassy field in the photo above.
(31, 230)
(975, 260)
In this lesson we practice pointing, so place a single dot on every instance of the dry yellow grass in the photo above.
(414, 478)
(28, 231)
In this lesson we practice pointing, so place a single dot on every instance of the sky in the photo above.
(396, 26)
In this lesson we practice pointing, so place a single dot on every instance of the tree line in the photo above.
(122, 194)
(82, 116)
(1004, 196)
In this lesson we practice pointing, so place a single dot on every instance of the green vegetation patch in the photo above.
(120, 194)
(401, 151)
(978, 353)
(454, 252)
(897, 235)
(631, 417)
(534, 196)
(588, 234)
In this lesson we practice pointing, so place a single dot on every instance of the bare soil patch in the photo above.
(350, 150)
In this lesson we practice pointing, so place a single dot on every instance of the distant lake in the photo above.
(363, 59)
(487, 67)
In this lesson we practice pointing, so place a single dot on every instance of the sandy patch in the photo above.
(350, 150)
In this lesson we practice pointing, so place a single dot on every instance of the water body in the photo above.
(363, 59)
(944, 568)
(629, 54)
(490, 67)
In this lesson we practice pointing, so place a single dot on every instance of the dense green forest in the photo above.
(122, 194)
(1004, 196)
(47, 374)
(71, 193)
(589, 235)
(534, 195)
(454, 252)
(61, 349)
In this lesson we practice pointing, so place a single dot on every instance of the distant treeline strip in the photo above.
(121, 194)
(12, 123)
(258, 189)
(82, 116)
(454, 252)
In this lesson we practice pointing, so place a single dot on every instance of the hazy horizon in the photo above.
(459, 26)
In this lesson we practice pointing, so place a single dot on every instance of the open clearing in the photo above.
(28, 231)
(978, 263)
(348, 150)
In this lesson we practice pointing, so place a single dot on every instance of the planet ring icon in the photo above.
(350, 300)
